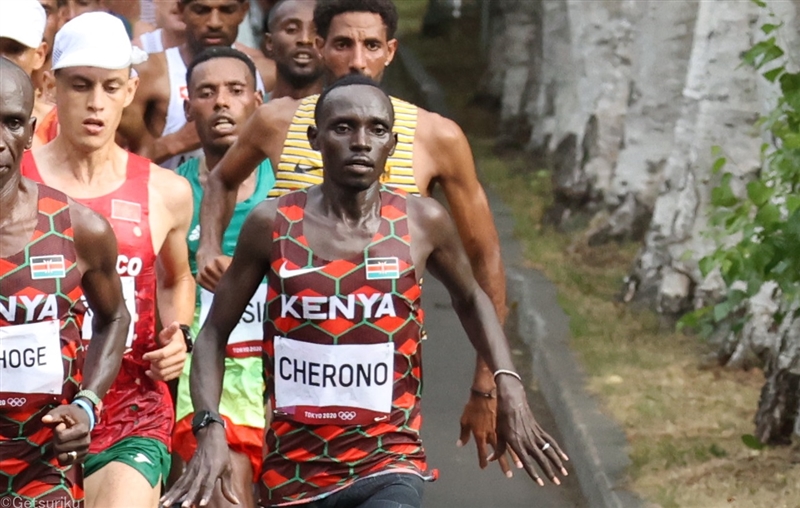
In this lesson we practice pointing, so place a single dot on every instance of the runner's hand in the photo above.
(479, 418)
(70, 432)
(518, 429)
(166, 363)
(209, 274)
(210, 462)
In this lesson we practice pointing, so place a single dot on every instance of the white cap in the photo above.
(23, 21)
(95, 39)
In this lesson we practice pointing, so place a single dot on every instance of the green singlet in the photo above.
(243, 384)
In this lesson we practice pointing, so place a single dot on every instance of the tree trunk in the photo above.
(661, 53)
(719, 108)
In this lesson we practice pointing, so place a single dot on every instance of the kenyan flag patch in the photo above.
(383, 268)
(48, 267)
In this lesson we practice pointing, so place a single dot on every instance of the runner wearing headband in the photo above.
(150, 211)
(53, 253)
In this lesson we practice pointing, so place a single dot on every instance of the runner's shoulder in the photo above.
(435, 128)
(173, 189)
(88, 226)
(277, 114)
(153, 76)
(427, 212)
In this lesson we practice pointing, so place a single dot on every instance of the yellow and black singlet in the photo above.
(300, 165)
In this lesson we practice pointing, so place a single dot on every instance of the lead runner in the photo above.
(343, 331)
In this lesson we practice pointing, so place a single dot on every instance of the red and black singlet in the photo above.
(41, 355)
(342, 358)
(135, 405)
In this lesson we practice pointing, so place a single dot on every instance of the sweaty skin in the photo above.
(208, 23)
(341, 216)
(357, 42)
(85, 162)
(96, 250)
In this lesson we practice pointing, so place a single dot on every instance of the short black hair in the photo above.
(348, 80)
(220, 52)
(326, 10)
(190, 1)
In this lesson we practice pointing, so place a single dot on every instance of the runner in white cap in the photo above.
(22, 25)
(150, 210)
(26, 36)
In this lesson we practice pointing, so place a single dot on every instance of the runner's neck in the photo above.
(85, 166)
(284, 89)
(350, 206)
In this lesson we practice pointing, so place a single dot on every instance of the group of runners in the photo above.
(212, 258)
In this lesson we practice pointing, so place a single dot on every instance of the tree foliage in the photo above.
(758, 234)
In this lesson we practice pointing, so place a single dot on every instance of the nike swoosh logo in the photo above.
(304, 168)
(286, 273)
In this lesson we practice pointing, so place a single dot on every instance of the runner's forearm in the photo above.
(208, 357)
(216, 211)
(479, 319)
(182, 141)
(108, 345)
(176, 299)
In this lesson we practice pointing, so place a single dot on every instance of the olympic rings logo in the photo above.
(16, 402)
(347, 415)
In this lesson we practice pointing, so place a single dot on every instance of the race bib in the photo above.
(129, 294)
(342, 385)
(245, 340)
(30, 362)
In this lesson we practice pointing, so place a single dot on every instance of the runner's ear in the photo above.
(131, 86)
(313, 134)
(259, 97)
(187, 110)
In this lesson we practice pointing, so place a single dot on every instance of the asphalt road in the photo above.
(448, 361)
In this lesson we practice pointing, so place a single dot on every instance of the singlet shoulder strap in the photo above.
(137, 166)
(29, 168)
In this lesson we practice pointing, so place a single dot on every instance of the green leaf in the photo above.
(752, 442)
(772, 75)
(792, 203)
(768, 215)
(758, 192)
(721, 310)
(716, 150)
(791, 140)
(768, 28)
(723, 195)
(718, 165)
(706, 265)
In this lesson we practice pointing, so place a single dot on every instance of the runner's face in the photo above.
(291, 42)
(356, 43)
(30, 59)
(169, 17)
(16, 125)
(68, 9)
(222, 97)
(51, 9)
(90, 103)
(354, 136)
(212, 22)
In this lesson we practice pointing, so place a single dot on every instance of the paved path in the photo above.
(448, 362)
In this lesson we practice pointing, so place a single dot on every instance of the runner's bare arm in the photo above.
(449, 263)
(96, 247)
(176, 287)
(261, 137)
(133, 127)
(251, 260)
